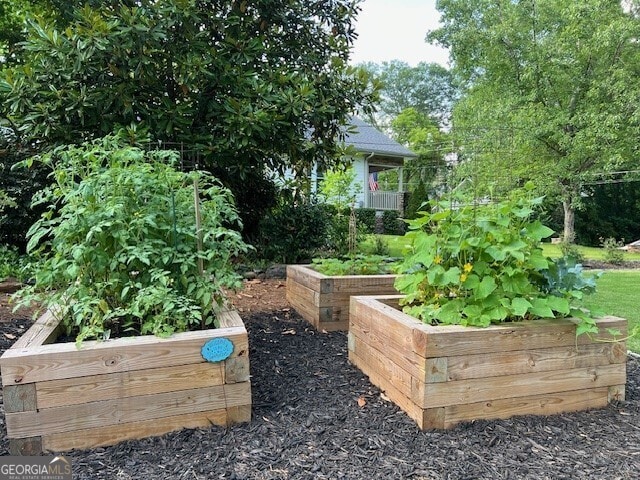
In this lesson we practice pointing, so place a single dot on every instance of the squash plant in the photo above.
(118, 247)
(483, 264)
(354, 265)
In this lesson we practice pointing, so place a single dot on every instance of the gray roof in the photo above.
(369, 139)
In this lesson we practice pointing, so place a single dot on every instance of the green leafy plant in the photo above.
(293, 231)
(355, 265)
(571, 251)
(483, 264)
(119, 250)
(392, 224)
(380, 246)
(366, 218)
(612, 252)
(12, 264)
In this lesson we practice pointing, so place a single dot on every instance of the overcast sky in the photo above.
(395, 29)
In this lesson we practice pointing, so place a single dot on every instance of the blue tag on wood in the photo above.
(217, 349)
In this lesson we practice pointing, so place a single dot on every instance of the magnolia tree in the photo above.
(249, 86)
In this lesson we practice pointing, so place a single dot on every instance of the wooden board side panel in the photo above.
(384, 322)
(453, 340)
(94, 388)
(44, 330)
(546, 404)
(365, 285)
(59, 361)
(112, 434)
(70, 418)
(382, 366)
(522, 385)
(303, 300)
(305, 276)
(530, 361)
(415, 365)
(402, 401)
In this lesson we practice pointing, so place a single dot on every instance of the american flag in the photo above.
(373, 181)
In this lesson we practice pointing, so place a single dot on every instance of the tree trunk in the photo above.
(569, 233)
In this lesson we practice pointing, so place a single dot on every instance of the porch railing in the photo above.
(386, 200)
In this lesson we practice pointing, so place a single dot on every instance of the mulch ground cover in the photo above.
(315, 416)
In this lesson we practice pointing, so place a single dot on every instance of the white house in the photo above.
(376, 152)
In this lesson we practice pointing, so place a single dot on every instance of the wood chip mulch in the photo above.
(315, 416)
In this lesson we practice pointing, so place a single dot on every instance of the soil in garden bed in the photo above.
(317, 417)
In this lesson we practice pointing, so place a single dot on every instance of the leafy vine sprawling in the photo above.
(483, 264)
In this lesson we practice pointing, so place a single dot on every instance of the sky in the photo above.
(395, 30)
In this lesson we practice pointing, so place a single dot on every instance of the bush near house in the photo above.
(392, 224)
(366, 220)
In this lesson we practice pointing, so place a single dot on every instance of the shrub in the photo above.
(482, 265)
(366, 220)
(293, 231)
(13, 264)
(612, 252)
(17, 187)
(417, 199)
(571, 251)
(118, 245)
(391, 223)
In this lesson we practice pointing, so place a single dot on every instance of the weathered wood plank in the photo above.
(44, 330)
(548, 404)
(20, 398)
(385, 323)
(109, 435)
(321, 299)
(402, 401)
(229, 319)
(453, 340)
(65, 360)
(413, 364)
(523, 368)
(70, 418)
(94, 388)
(238, 414)
(617, 393)
(528, 361)
(298, 293)
(236, 370)
(520, 385)
(307, 277)
(25, 446)
(381, 366)
(348, 285)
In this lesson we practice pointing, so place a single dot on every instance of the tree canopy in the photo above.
(249, 85)
(429, 88)
(552, 91)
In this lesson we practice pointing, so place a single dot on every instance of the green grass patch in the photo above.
(590, 253)
(395, 243)
(617, 294)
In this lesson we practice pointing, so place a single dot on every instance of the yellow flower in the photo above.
(467, 267)
(437, 260)
(463, 277)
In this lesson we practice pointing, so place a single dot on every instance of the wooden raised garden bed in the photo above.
(58, 397)
(324, 301)
(443, 375)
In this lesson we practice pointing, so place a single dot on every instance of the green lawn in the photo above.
(617, 294)
(592, 253)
